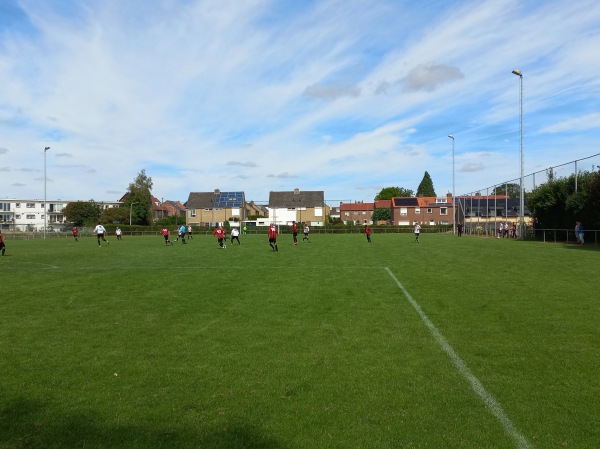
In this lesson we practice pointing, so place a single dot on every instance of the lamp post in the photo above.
(130, 209)
(45, 206)
(522, 190)
(453, 199)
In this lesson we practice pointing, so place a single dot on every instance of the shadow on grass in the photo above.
(24, 424)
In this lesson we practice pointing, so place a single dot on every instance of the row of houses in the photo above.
(205, 209)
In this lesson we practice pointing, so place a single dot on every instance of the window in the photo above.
(5, 206)
(18, 216)
(417, 210)
(443, 211)
(235, 211)
(192, 212)
(346, 214)
(318, 211)
(429, 210)
(30, 205)
(364, 213)
(18, 204)
(30, 216)
(404, 211)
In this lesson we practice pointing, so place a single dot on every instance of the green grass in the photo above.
(138, 345)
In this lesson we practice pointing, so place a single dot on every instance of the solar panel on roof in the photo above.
(228, 199)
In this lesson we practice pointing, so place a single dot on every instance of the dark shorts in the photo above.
(167, 237)
(272, 240)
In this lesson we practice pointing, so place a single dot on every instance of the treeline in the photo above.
(558, 203)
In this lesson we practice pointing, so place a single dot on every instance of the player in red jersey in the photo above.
(220, 233)
(2, 244)
(295, 232)
(75, 232)
(273, 237)
(165, 232)
(368, 233)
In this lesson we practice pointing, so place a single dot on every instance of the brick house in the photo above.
(408, 211)
(209, 208)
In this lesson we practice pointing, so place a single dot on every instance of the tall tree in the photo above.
(82, 212)
(426, 186)
(387, 193)
(513, 189)
(139, 199)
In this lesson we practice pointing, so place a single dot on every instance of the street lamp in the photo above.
(45, 206)
(453, 199)
(522, 192)
(130, 209)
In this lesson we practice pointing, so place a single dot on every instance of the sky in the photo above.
(344, 96)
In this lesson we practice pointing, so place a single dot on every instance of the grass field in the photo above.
(449, 343)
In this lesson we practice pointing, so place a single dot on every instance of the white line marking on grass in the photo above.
(488, 399)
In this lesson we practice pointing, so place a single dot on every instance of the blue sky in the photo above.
(267, 95)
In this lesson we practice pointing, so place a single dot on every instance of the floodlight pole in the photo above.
(453, 198)
(130, 210)
(45, 205)
(522, 190)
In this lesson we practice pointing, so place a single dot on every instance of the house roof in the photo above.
(356, 206)
(297, 198)
(405, 202)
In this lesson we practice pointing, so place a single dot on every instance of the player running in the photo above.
(165, 232)
(75, 233)
(219, 232)
(100, 230)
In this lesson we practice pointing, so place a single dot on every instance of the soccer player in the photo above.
(75, 232)
(306, 231)
(295, 232)
(118, 232)
(417, 232)
(99, 230)
(273, 237)
(235, 232)
(182, 232)
(368, 233)
(165, 232)
(219, 232)
(190, 232)
(2, 244)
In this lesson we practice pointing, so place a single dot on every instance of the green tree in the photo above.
(426, 186)
(513, 189)
(114, 215)
(381, 214)
(82, 212)
(556, 205)
(139, 199)
(387, 193)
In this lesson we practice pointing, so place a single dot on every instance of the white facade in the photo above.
(30, 215)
